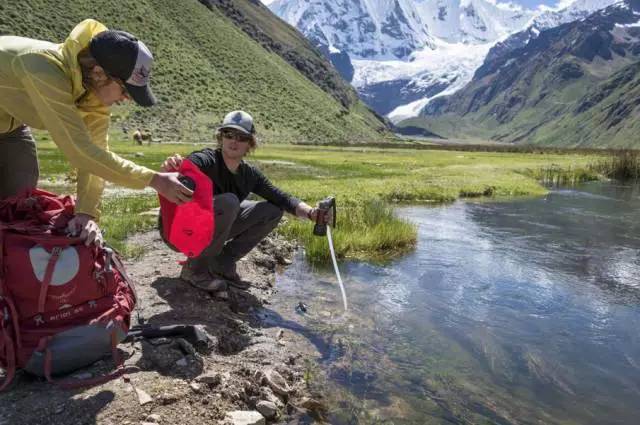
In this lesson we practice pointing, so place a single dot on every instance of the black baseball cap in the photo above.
(125, 57)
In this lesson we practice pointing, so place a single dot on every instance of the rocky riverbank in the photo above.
(246, 374)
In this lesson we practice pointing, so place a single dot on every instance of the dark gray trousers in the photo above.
(239, 227)
(18, 162)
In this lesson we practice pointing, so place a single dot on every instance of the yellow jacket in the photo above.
(41, 86)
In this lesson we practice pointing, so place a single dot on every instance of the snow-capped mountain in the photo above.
(406, 52)
(577, 10)
(393, 29)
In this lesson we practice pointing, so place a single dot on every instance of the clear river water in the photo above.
(517, 312)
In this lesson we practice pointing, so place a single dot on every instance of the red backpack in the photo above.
(63, 305)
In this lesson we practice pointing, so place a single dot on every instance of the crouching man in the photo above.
(240, 224)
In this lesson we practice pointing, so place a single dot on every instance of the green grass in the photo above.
(623, 165)
(365, 181)
(205, 67)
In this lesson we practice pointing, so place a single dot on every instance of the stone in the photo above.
(143, 397)
(185, 346)
(195, 387)
(267, 394)
(162, 357)
(154, 418)
(277, 383)
(182, 362)
(268, 409)
(210, 378)
(312, 405)
(148, 423)
(246, 417)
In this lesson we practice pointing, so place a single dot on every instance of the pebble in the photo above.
(195, 387)
(210, 378)
(154, 418)
(277, 383)
(143, 397)
(246, 417)
(268, 409)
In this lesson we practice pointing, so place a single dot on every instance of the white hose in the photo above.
(335, 266)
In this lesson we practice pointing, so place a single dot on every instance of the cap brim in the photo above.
(236, 127)
(141, 95)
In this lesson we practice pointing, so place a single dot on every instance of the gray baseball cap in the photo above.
(125, 57)
(238, 120)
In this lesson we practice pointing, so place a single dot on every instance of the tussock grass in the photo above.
(622, 165)
(556, 175)
(367, 231)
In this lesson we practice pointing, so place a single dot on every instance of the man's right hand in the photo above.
(168, 185)
(172, 163)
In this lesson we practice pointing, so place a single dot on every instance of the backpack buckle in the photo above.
(107, 261)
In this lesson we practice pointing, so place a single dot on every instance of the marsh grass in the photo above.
(621, 165)
(367, 182)
(367, 231)
(556, 175)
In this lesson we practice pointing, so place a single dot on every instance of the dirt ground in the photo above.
(246, 366)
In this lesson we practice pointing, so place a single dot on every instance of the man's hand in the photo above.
(87, 228)
(172, 163)
(305, 210)
(168, 185)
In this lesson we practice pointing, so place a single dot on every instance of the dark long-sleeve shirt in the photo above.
(247, 179)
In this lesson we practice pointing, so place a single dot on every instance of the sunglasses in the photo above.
(236, 135)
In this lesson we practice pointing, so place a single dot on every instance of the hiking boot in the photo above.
(234, 280)
(203, 280)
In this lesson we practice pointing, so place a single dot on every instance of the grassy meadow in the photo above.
(367, 182)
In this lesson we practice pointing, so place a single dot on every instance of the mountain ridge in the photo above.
(573, 85)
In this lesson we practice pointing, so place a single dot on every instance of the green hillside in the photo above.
(205, 66)
(276, 35)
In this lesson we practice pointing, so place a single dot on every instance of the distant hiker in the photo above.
(67, 89)
(137, 136)
(239, 224)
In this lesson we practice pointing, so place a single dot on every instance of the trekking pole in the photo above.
(321, 229)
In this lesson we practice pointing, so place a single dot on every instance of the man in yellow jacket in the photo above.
(67, 89)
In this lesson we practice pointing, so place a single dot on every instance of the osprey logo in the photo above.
(65, 268)
(237, 118)
(140, 76)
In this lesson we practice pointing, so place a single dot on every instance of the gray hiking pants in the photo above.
(18, 162)
(239, 227)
